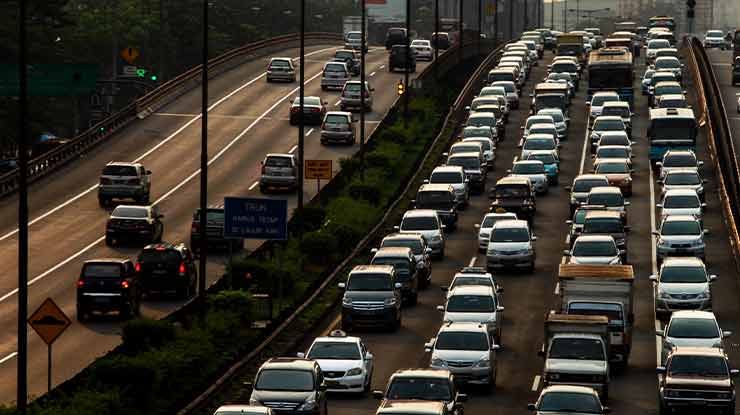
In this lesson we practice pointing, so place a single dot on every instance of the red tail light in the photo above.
(80, 282)
(195, 226)
(182, 268)
(315, 110)
(137, 267)
(124, 284)
(263, 169)
(323, 126)
(294, 109)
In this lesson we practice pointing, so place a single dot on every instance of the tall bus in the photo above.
(611, 69)
(671, 129)
(663, 21)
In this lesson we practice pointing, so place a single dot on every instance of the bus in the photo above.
(663, 21)
(611, 69)
(671, 129)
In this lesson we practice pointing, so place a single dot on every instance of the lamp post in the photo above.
(408, 65)
(203, 258)
(436, 39)
(22, 365)
(362, 90)
(301, 119)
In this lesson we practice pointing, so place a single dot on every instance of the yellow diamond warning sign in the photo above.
(130, 55)
(49, 321)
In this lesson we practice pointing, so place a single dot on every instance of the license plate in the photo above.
(100, 300)
(331, 383)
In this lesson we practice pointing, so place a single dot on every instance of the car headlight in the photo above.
(354, 371)
(308, 405)
(553, 376)
(485, 361)
(346, 301)
(703, 295)
(438, 362)
(484, 235)
(724, 395)
(390, 301)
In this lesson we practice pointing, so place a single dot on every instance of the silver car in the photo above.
(338, 126)
(691, 328)
(684, 179)
(682, 284)
(512, 93)
(535, 171)
(678, 159)
(511, 246)
(581, 186)
(597, 102)
(681, 202)
(466, 350)
(486, 226)
(562, 399)
(427, 223)
(351, 98)
(334, 75)
(280, 69)
(561, 122)
(455, 176)
(680, 235)
(475, 304)
(594, 250)
(279, 170)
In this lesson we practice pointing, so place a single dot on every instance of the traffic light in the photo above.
(690, 8)
(400, 88)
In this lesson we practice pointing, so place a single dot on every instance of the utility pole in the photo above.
(495, 23)
(408, 65)
(436, 39)
(565, 17)
(480, 22)
(461, 27)
(510, 6)
(578, 14)
(526, 16)
(203, 163)
(302, 121)
(552, 14)
(22, 365)
(363, 45)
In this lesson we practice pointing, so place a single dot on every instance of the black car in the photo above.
(314, 109)
(166, 267)
(395, 36)
(107, 285)
(214, 230)
(351, 58)
(128, 222)
(397, 59)
(441, 40)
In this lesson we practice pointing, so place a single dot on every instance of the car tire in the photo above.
(144, 200)
(103, 202)
(414, 299)
(81, 314)
(109, 240)
(263, 188)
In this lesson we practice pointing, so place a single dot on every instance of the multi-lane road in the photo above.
(722, 65)
(528, 297)
(247, 119)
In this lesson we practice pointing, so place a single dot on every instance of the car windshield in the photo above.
(606, 199)
(369, 282)
(344, 55)
(334, 351)
(683, 274)
(539, 144)
(557, 116)
(280, 64)
(508, 86)
(446, 177)
(470, 304)
(544, 158)
(681, 202)
(284, 380)
(484, 143)
(426, 389)
(585, 185)
(468, 163)
(434, 200)
(415, 245)
(477, 132)
(528, 168)
(599, 225)
(419, 223)
(576, 349)
(714, 33)
(512, 191)
(129, 212)
(662, 78)
(682, 227)
(693, 328)
(608, 125)
(612, 168)
(682, 179)
(649, 74)
(354, 36)
(616, 111)
(614, 140)
(680, 160)
(599, 100)
(672, 103)
(612, 311)
(119, 171)
(569, 402)
(101, 270)
(278, 162)
(313, 101)
(580, 216)
(401, 265)
(464, 148)
(594, 248)
(703, 366)
(668, 89)
(543, 130)
(479, 121)
(613, 153)
(167, 257)
(352, 87)
(471, 280)
(667, 64)
(537, 120)
(510, 235)
(658, 44)
(454, 340)
(564, 67)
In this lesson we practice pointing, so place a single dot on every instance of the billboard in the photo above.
(386, 11)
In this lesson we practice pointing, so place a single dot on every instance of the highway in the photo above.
(528, 297)
(722, 65)
(247, 119)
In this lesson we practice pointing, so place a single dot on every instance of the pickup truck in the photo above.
(576, 351)
(602, 290)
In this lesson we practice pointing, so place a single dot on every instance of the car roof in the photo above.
(106, 260)
(247, 409)
(161, 246)
(435, 187)
(608, 118)
(616, 104)
(464, 326)
(591, 177)
(698, 351)
(337, 339)
(683, 170)
(694, 314)
(284, 155)
(423, 373)
(680, 192)
(465, 154)
(512, 223)
(345, 113)
(472, 290)
(603, 214)
(420, 213)
(548, 126)
(123, 163)
(679, 152)
(612, 160)
(411, 407)
(296, 363)
(537, 162)
(606, 189)
(680, 218)
(372, 269)
(514, 180)
(682, 261)
(393, 251)
(569, 389)
(142, 207)
(594, 238)
(281, 58)
(606, 94)
(542, 136)
(455, 169)
(667, 83)
(464, 143)
(672, 96)
(404, 236)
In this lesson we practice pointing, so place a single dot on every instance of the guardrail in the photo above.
(719, 137)
(144, 106)
(453, 117)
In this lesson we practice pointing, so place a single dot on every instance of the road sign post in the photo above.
(49, 322)
(318, 169)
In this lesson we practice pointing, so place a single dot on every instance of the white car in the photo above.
(598, 100)
(489, 148)
(680, 235)
(474, 304)
(654, 45)
(427, 223)
(486, 225)
(511, 245)
(455, 176)
(423, 49)
(344, 360)
(690, 328)
(682, 284)
(458, 343)
(594, 250)
(538, 142)
(681, 202)
(477, 276)
(684, 179)
(561, 122)
(534, 170)
(678, 159)
(535, 120)
(714, 39)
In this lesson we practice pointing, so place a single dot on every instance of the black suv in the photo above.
(397, 59)
(514, 194)
(107, 285)
(166, 267)
(395, 36)
(214, 230)
(290, 386)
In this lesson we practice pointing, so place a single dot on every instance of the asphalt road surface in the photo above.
(247, 119)
(528, 297)
(722, 65)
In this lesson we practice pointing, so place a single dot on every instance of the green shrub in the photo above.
(319, 246)
(135, 376)
(310, 219)
(264, 273)
(143, 333)
(84, 402)
(365, 192)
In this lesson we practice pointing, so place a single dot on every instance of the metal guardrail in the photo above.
(719, 137)
(144, 106)
(452, 117)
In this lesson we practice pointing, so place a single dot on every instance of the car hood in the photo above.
(697, 382)
(677, 239)
(539, 177)
(682, 211)
(469, 355)
(281, 396)
(428, 235)
(509, 246)
(594, 367)
(469, 317)
(697, 187)
(685, 342)
(617, 177)
(332, 365)
(683, 288)
(593, 260)
(368, 295)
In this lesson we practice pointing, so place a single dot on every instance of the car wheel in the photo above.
(103, 202)
(414, 299)
(108, 240)
(263, 189)
(81, 314)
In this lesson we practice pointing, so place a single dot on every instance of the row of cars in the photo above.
(465, 347)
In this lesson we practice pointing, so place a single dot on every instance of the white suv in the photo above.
(427, 223)
(466, 351)
(511, 245)
(682, 284)
(475, 303)
(486, 226)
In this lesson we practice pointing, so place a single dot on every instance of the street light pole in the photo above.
(578, 14)
(301, 119)
(22, 365)
(203, 163)
(436, 39)
(460, 29)
(480, 22)
(526, 16)
(552, 14)
(495, 23)
(408, 65)
(565, 16)
(362, 90)
(510, 6)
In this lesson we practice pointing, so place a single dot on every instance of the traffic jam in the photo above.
(588, 338)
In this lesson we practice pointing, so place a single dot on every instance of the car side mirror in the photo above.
(660, 370)
(374, 251)
(659, 205)
(660, 333)
(467, 108)
(627, 203)
(342, 285)
(428, 250)
(495, 347)
(703, 205)
(396, 228)
(712, 278)
(705, 231)
(531, 407)
(160, 216)
(248, 385)
(700, 163)
(300, 355)
(499, 308)
(567, 188)
(499, 290)
(444, 289)
(566, 252)
(606, 410)
(704, 181)
(534, 238)
(397, 285)
(461, 397)
(440, 308)
(726, 333)
(378, 394)
(541, 353)
(627, 228)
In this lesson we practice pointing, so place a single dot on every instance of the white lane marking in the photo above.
(253, 185)
(372, 74)
(654, 263)
(309, 132)
(557, 288)
(151, 150)
(472, 261)
(381, 67)
(8, 357)
(338, 102)
(169, 193)
(586, 144)
(292, 149)
(657, 345)
(536, 383)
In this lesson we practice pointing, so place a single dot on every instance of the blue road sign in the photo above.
(255, 218)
